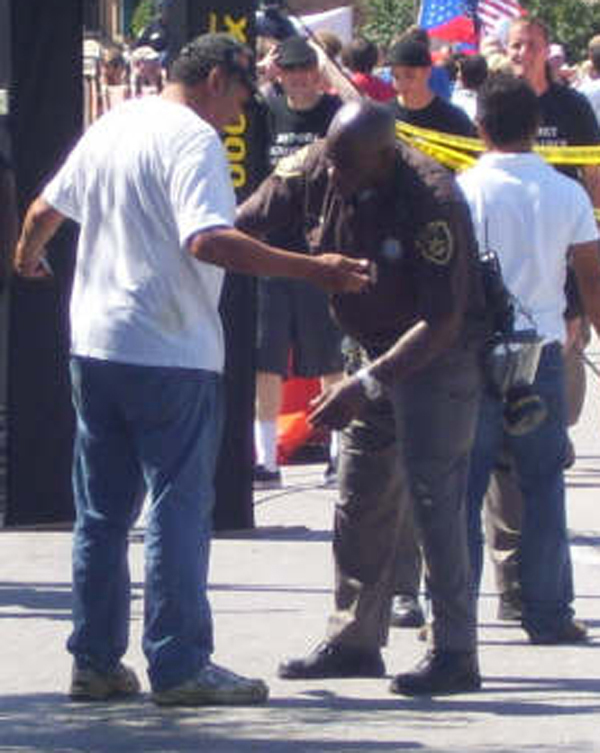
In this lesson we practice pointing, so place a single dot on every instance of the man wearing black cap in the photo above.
(410, 61)
(150, 186)
(292, 315)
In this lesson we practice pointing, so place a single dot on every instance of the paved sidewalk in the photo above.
(270, 590)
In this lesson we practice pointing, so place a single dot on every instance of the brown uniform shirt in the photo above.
(418, 233)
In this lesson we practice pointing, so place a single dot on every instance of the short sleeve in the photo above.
(65, 191)
(200, 186)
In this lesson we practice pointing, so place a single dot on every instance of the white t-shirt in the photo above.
(466, 99)
(141, 181)
(591, 89)
(530, 214)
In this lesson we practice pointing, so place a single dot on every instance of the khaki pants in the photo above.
(418, 454)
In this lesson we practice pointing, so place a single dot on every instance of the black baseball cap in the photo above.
(209, 50)
(411, 53)
(271, 22)
(296, 52)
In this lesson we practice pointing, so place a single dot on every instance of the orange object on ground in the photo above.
(293, 429)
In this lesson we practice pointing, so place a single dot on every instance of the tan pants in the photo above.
(418, 455)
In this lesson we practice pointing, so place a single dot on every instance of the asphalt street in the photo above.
(271, 592)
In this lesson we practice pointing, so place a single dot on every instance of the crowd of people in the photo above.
(411, 292)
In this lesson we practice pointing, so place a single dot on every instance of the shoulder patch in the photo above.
(435, 243)
(293, 165)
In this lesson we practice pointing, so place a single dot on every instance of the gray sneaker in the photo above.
(214, 686)
(90, 685)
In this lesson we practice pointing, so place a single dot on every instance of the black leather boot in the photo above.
(440, 673)
(333, 660)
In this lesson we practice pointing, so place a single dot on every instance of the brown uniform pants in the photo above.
(419, 452)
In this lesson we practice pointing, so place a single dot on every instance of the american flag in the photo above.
(463, 20)
(492, 12)
(449, 19)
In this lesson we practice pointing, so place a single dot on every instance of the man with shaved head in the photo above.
(408, 405)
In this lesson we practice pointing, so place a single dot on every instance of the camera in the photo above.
(512, 356)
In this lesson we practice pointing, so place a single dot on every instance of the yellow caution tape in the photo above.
(438, 143)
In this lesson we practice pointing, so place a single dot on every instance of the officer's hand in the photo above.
(341, 274)
(336, 406)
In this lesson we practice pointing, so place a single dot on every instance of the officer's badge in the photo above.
(292, 166)
(435, 243)
(391, 250)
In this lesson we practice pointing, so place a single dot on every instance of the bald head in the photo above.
(362, 124)
(360, 144)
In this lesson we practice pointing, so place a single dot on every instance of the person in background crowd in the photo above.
(590, 86)
(147, 73)
(156, 33)
(272, 27)
(558, 69)
(536, 221)
(115, 84)
(566, 119)
(292, 316)
(416, 103)
(439, 80)
(410, 401)
(329, 47)
(360, 58)
(147, 357)
(472, 72)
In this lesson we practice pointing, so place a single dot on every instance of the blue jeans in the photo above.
(545, 563)
(157, 428)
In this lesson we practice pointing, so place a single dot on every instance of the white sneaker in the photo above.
(214, 686)
(90, 685)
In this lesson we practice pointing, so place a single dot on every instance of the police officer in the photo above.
(362, 191)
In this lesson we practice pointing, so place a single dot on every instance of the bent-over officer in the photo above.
(410, 410)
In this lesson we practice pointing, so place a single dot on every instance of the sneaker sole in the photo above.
(86, 695)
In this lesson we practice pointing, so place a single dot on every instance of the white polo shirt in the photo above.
(141, 181)
(529, 214)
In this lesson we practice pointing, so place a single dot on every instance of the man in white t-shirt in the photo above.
(149, 185)
(536, 220)
(590, 86)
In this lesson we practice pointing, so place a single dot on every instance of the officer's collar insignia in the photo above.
(292, 166)
(391, 250)
(435, 243)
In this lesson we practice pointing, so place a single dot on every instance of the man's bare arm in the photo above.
(586, 264)
(237, 252)
(40, 224)
(413, 351)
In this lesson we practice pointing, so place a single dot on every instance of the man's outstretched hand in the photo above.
(342, 274)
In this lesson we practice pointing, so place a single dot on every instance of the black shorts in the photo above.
(293, 315)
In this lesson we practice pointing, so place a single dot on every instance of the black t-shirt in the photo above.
(439, 115)
(567, 118)
(293, 129)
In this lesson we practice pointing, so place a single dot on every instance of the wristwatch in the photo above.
(373, 387)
